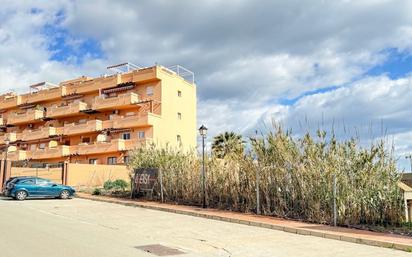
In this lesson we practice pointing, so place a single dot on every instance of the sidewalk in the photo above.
(386, 240)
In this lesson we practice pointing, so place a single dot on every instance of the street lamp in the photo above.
(203, 133)
(410, 159)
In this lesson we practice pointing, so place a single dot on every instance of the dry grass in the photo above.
(296, 179)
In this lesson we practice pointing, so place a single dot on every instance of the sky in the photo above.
(343, 65)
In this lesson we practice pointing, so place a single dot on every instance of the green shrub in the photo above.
(108, 185)
(118, 184)
(96, 191)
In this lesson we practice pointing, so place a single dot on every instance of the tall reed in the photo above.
(296, 178)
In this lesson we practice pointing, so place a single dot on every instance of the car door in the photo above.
(30, 186)
(46, 187)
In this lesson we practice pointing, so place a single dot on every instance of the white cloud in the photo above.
(246, 56)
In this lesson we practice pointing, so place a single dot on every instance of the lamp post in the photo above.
(410, 159)
(203, 133)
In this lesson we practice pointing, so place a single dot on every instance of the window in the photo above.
(28, 182)
(111, 160)
(92, 161)
(179, 138)
(40, 181)
(149, 90)
(141, 134)
(126, 159)
(126, 136)
(179, 116)
(86, 140)
(179, 93)
(33, 147)
(42, 146)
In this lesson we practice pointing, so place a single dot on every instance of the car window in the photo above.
(27, 182)
(41, 181)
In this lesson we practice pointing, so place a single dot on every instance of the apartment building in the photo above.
(100, 120)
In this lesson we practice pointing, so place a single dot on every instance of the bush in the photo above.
(296, 178)
(118, 184)
(96, 191)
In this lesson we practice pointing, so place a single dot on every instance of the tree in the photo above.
(227, 143)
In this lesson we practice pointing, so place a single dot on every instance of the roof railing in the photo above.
(181, 71)
(123, 67)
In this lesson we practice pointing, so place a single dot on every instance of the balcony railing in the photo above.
(26, 117)
(53, 152)
(7, 101)
(43, 95)
(131, 121)
(17, 155)
(133, 144)
(66, 110)
(80, 128)
(102, 147)
(44, 132)
(93, 84)
(12, 137)
(118, 102)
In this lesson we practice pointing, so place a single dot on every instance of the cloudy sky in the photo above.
(307, 64)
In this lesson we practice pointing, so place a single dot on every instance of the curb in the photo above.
(299, 231)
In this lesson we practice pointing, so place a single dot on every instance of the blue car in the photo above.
(33, 187)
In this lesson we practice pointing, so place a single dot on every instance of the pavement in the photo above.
(80, 227)
(386, 240)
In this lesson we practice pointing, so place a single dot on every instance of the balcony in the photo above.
(52, 152)
(16, 155)
(26, 117)
(9, 101)
(118, 102)
(12, 137)
(43, 95)
(44, 132)
(93, 85)
(133, 121)
(81, 128)
(102, 147)
(66, 110)
(134, 143)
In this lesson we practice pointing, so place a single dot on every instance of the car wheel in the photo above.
(21, 195)
(65, 194)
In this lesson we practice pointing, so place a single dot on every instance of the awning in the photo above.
(118, 88)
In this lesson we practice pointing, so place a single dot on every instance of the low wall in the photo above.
(94, 175)
(54, 174)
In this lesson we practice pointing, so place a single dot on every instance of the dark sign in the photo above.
(144, 180)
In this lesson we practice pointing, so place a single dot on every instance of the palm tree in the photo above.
(227, 143)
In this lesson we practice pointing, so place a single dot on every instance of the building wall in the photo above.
(87, 176)
(163, 126)
(170, 125)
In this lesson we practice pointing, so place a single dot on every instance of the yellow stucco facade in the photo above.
(100, 120)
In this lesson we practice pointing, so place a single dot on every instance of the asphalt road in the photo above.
(77, 228)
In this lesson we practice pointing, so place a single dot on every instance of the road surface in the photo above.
(84, 228)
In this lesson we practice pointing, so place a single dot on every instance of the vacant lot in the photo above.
(79, 227)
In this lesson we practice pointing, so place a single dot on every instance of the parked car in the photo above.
(11, 180)
(33, 187)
